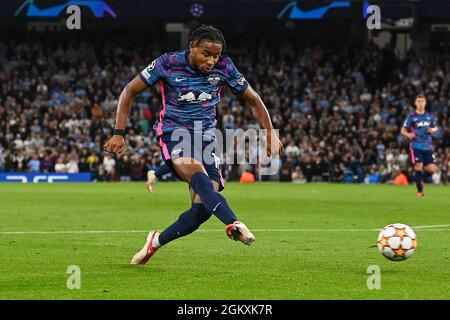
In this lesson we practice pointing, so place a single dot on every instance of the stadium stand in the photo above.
(339, 108)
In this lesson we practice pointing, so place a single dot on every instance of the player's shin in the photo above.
(419, 180)
(212, 200)
(187, 223)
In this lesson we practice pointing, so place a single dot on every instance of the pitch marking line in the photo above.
(439, 227)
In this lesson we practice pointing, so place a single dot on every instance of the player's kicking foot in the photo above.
(239, 232)
(147, 251)
(151, 180)
(420, 194)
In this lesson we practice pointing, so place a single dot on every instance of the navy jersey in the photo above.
(419, 125)
(187, 94)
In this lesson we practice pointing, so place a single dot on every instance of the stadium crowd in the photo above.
(339, 108)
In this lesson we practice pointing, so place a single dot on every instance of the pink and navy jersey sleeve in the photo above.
(234, 79)
(155, 71)
(407, 123)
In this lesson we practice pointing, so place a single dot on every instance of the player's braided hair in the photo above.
(210, 33)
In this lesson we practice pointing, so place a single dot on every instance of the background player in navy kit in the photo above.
(419, 127)
(191, 83)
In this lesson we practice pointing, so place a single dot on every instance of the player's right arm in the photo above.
(405, 132)
(154, 72)
(117, 143)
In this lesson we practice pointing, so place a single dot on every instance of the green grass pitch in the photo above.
(313, 242)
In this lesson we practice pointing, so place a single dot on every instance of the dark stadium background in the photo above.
(337, 91)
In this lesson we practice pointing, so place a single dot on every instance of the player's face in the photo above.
(420, 104)
(205, 55)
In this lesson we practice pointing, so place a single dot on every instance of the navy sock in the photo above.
(419, 183)
(212, 200)
(187, 223)
(162, 170)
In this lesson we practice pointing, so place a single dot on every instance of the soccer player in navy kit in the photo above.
(191, 82)
(419, 127)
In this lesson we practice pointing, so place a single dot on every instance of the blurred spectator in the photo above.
(48, 162)
(60, 166)
(2, 160)
(286, 175)
(72, 165)
(34, 164)
(297, 175)
(124, 169)
(137, 169)
(109, 163)
(9, 164)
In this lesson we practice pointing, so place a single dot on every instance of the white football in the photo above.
(397, 242)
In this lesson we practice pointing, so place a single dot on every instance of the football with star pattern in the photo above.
(397, 242)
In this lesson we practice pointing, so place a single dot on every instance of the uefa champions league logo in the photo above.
(197, 9)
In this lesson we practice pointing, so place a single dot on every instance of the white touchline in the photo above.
(432, 226)
(439, 227)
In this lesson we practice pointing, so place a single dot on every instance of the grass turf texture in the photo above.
(295, 264)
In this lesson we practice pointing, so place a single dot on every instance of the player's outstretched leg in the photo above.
(218, 205)
(418, 168)
(187, 223)
(430, 168)
(419, 182)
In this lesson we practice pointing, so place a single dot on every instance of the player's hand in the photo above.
(116, 145)
(411, 136)
(431, 130)
(151, 180)
(274, 145)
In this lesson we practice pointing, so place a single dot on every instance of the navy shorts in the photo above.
(205, 150)
(424, 156)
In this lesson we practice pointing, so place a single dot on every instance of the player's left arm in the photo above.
(261, 114)
(240, 86)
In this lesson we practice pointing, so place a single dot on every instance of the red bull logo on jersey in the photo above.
(188, 97)
(423, 124)
(192, 97)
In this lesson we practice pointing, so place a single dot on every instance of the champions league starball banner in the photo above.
(229, 10)
(104, 9)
